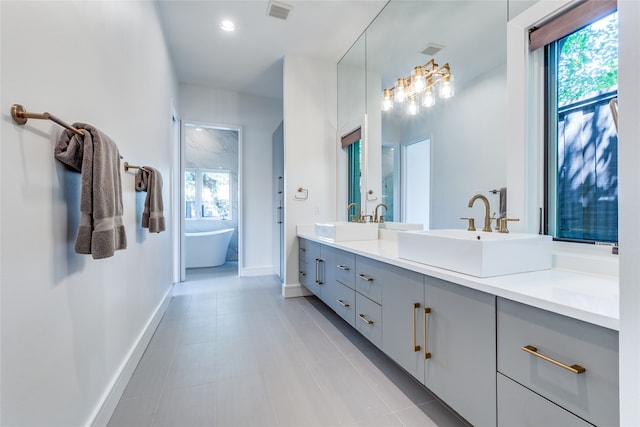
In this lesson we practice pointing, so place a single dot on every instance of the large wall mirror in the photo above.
(456, 147)
(351, 170)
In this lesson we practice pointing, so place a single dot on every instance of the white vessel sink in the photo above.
(477, 253)
(400, 226)
(345, 231)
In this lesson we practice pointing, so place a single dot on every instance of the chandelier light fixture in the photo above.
(419, 88)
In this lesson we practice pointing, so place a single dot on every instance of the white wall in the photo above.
(629, 176)
(69, 323)
(310, 144)
(258, 117)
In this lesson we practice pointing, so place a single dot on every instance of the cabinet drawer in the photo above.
(520, 407)
(592, 394)
(302, 272)
(372, 275)
(343, 302)
(345, 268)
(302, 250)
(369, 319)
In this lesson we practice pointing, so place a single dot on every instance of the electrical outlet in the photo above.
(316, 210)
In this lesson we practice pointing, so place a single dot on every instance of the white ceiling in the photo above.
(250, 59)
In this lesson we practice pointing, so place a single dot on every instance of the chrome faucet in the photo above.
(487, 210)
(380, 218)
(358, 216)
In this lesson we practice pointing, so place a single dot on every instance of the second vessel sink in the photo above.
(477, 253)
(401, 226)
(345, 231)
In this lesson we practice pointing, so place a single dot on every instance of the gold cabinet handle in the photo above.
(365, 278)
(342, 303)
(343, 267)
(576, 369)
(318, 268)
(365, 320)
(416, 347)
(427, 355)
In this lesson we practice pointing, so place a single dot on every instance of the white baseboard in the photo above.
(114, 392)
(294, 290)
(256, 271)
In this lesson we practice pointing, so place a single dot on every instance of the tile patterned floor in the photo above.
(230, 351)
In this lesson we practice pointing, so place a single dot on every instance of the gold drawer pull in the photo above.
(342, 303)
(365, 278)
(576, 369)
(365, 320)
(318, 269)
(343, 267)
(427, 310)
(416, 347)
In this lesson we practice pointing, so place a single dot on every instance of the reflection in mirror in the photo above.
(466, 132)
(351, 172)
(351, 85)
(390, 181)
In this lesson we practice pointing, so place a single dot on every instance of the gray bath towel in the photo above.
(95, 155)
(149, 179)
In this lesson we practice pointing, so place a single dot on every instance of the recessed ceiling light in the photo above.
(227, 25)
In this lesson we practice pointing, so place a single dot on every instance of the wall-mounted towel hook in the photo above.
(304, 192)
(21, 116)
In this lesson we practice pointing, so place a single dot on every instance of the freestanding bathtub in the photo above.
(207, 248)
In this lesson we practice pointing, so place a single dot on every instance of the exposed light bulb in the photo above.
(399, 93)
(446, 88)
(428, 99)
(412, 108)
(418, 83)
(387, 102)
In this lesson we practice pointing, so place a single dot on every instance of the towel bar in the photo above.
(127, 166)
(20, 116)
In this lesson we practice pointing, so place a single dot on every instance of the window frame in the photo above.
(198, 195)
(550, 212)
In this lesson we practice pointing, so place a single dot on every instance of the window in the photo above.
(352, 143)
(582, 141)
(207, 194)
(355, 172)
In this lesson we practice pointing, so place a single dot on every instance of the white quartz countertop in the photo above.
(588, 297)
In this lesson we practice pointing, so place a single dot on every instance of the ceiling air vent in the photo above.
(432, 49)
(279, 10)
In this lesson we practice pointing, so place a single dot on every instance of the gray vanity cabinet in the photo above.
(566, 361)
(520, 407)
(444, 335)
(461, 341)
(370, 278)
(342, 294)
(453, 339)
(314, 274)
(403, 313)
(303, 267)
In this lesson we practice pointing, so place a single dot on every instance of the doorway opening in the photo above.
(212, 202)
(416, 182)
